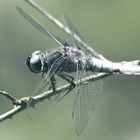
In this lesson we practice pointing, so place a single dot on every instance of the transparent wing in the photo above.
(74, 33)
(69, 25)
(40, 27)
(84, 103)
(40, 110)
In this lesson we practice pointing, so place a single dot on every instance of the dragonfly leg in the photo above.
(69, 79)
(53, 86)
(58, 99)
(53, 83)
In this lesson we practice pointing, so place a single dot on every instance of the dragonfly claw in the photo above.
(73, 85)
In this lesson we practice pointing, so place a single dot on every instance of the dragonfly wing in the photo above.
(39, 26)
(56, 65)
(68, 24)
(72, 29)
(84, 104)
(78, 40)
(40, 110)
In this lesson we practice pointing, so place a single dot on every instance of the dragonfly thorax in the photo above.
(35, 62)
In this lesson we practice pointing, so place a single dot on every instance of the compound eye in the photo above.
(34, 63)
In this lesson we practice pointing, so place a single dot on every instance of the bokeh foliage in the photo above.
(111, 27)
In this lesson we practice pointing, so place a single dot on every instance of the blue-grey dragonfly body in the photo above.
(65, 61)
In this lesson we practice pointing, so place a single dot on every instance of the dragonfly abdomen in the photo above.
(98, 65)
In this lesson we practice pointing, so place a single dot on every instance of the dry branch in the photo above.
(31, 101)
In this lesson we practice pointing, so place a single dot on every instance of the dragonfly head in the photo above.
(36, 62)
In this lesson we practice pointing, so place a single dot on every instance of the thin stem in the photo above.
(26, 102)
(8, 96)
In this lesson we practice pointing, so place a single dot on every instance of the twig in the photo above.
(18, 105)
(10, 97)
(31, 101)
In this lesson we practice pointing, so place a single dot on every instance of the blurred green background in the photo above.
(111, 27)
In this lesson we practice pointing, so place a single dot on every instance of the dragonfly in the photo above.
(71, 63)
